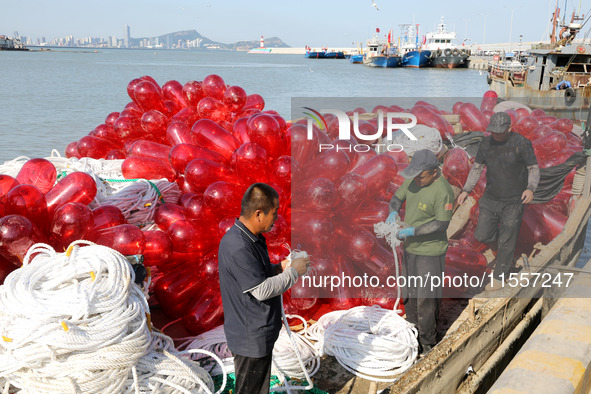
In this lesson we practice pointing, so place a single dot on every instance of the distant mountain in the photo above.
(171, 40)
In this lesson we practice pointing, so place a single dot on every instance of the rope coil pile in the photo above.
(138, 198)
(75, 322)
(213, 341)
(294, 355)
(368, 341)
(100, 168)
(287, 353)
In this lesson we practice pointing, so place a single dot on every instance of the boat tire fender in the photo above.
(447, 52)
(463, 52)
(439, 52)
(569, 96)
(455, 52)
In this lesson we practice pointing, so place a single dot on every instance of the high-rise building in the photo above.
(127, 36)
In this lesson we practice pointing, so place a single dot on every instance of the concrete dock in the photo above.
(557, 356)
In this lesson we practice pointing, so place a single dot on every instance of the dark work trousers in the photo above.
(253, 375)
(421, 304)
(499, 221)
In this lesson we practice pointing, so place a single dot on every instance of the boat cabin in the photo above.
(440, 39)
(556, 79)
(549, 67)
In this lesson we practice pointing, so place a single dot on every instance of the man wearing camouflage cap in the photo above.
(512, 176)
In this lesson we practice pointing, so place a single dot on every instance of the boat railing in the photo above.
(508, 67)
(516, 75)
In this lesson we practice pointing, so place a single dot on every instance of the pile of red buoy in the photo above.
(213, 141)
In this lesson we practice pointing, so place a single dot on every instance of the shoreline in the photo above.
(504, 46)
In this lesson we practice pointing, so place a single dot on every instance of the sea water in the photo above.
(51, 98)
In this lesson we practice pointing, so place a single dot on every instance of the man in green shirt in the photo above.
(429, 206)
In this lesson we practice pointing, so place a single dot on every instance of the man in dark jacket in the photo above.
(251, 289)
(512, 176)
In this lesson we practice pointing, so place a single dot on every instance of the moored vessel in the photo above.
(555, 77)
(381, 53)
(444, 52)
(412, 54)
(324, 53)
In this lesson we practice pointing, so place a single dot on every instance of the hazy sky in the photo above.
(298, 23)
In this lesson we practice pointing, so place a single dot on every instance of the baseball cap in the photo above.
(499, 122)
(421, 161)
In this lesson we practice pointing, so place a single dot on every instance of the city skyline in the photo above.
(341, 23)
(173, 40)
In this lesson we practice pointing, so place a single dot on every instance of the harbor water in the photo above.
(51, 98)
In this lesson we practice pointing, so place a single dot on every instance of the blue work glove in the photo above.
(405, 232)
(392, 217)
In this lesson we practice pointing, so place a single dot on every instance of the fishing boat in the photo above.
(388, 57)
(412, 53)
(416, 58)
(391, 59)
(374, 48)
(356, 58)
(555, 77)
(381, 53)
(444, 52)
(314, 54)
(334, 55)
(324, 53)
(487, 331)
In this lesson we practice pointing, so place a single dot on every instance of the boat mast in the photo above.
(555, 16)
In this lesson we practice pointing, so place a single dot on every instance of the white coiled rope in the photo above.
(12, 167)
(215, 342)
(427, 138)
(75, 322)
(285, 361)
(97, 168)
(368, 341)
(289, 353)
(138, 199)
(293, 349)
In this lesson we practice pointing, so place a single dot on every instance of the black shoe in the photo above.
(424, 349)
